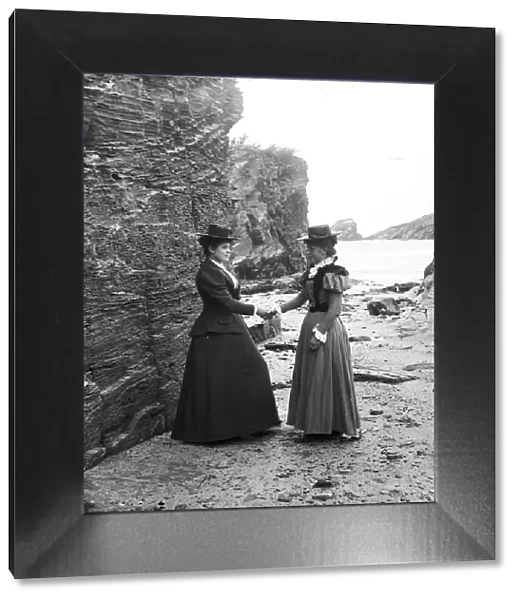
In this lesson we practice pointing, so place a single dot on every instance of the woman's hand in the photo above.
(261, 312)
(314, 343)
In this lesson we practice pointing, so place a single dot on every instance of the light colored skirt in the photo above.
(322, 399)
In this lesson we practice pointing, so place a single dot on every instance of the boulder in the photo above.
(383, 306)
(264, 330)
(400, 288)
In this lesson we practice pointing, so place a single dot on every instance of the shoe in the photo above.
(344, 437)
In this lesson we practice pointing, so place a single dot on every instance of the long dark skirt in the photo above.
(226, 391)
(322, 398)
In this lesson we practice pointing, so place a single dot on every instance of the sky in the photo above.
(369, 146)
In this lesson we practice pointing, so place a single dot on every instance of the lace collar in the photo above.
(324, 263)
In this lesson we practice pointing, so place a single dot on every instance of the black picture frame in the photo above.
(49, 534)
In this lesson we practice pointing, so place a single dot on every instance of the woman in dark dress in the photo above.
(226, 391)
(322, 397)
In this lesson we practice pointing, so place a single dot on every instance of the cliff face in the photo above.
(268, 190)
(155, 172)
(347, 230)
(419, 229)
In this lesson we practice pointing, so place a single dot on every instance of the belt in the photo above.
(313, 309)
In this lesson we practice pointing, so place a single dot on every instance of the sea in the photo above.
(386, 262)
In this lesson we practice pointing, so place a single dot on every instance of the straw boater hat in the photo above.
(318, 232)
(216, 232)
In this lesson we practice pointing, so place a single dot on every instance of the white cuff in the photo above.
(255, 310)
(320, 336)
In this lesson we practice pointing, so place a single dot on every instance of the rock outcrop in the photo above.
(427, 291)
(419, 229)
(268, 189)
(156, 158)
(383, 306)
(347, 230)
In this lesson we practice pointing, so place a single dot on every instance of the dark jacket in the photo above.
(222, 308)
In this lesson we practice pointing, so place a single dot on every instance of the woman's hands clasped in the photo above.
(267, 313)
(262, 312)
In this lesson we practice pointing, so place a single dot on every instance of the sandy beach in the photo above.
(393, 462)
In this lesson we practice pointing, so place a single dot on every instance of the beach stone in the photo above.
(257, 286)
(376, 411)
(323, 496)
(280, 346)
(400, 288)
(393, 455)
(88, 505)
(419, 366)
(265, 330)
(323, 483)
(284, 498)
(287, 283)
(383, 306)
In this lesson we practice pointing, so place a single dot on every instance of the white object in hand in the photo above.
(320, 336)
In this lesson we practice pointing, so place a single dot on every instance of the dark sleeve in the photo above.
(214, 285)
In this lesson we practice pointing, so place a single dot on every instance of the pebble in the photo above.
(323, 496)
(392, 455)
(376, 411)
(284, 498)
(323, 483)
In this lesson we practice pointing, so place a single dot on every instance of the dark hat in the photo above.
(318, 232)
(216, 232)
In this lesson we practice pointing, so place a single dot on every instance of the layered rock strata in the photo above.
(156, 151)
(268, 189)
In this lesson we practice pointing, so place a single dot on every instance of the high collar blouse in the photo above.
(233, 278)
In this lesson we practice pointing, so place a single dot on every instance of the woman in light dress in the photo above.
(322, 398)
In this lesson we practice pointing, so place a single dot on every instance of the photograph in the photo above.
(258, 293)
(253, 294)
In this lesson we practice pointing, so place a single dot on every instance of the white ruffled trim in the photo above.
(320, 336)
(324, 263)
